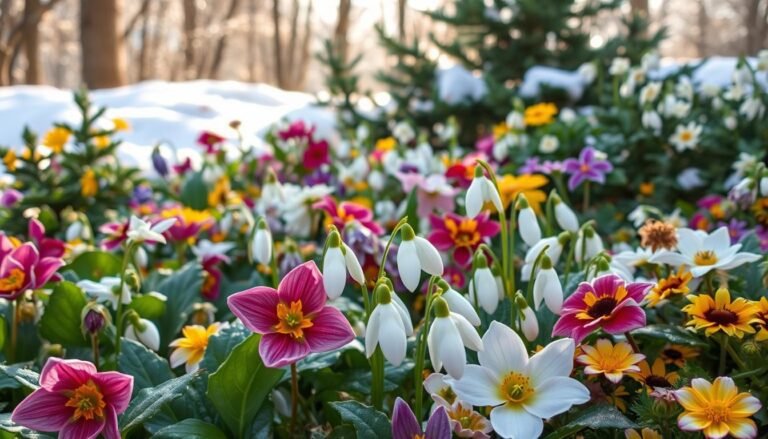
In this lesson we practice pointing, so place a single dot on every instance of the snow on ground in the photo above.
(174, 113)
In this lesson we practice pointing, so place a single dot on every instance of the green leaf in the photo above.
(368, 422)
(194, 194)
(149, 306)
(241, 384)
(182, 290)
(26, 377)
(670, 333)
(221, 345)
(146, 367)
(2, 332)
(61, 322)
(190, 429)
(149, 401)
(411, 211)
(95, 265)
(6, 425)
(602, 416)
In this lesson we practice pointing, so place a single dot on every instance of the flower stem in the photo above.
(377, 365)
(273, 268)
(421, 350)
(632, 342)
(585, 206)
(119, 313)
(569, 258)
(532, 280)
(735, 356)
(383, 263)
(14, 330)
(294, 395)
(723, 354)
(95, 349)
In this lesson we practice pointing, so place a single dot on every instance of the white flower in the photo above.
(710, 89)
(565, 216)
(764, 186)
(448, 335)
(530, 325)
(650, 60)
(484, 285)
(619, 66)
(762, 60)
(703, 252)
(523, 391)
(652, 121)
(77, 231)
(140, 231)
(404, 133)
(146, 334)
(686, 136)
(261, 246)
(744, 163)
(589, 243)
(413, 256)
(387, 329)
(515, 120)
(554, 250)
(752, 108)
(528, 225)
(690, 178)
(684, 88)
(672, 107)
(730, 122)
(567, 115)
(588, 72)
(105, 290)
(459, 304)
(206, 249)
(547, 287)
(376, 180)
(297, 208)
(629, 260)
(338, 260)
(481, 191)
(548, 144)
(439, 389)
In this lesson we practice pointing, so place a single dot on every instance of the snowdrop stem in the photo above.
(119, 320)
(585, 206)
(366, 302)
(536, 263)
(95, 349)
(557, 176)
(632, 342)
(273, 267)
(294, 395)
(569, 258)
(403, 221)
(509, 253)
(11, 354)
(421, 348)
(549, 210)
(377, 375)
(506, 251)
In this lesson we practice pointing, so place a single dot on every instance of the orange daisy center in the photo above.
(292, 320)
(87, 401)
(13, 281)
(464, 233)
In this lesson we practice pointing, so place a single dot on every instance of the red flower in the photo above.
(461, 234)
(316, 154)
(341, 214)
(210, 141)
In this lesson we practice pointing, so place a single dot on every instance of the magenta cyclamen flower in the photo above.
(294, 318)
(22, 268)
(76, 401)
(607, 302)
(461, 235)
(586, 167)
(48, 247)
(406, 426)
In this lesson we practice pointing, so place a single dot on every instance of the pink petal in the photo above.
(59, 374)
(565, 325)
(637, 290)
(330, 330)
(462, 256)
(576, 300)
(304, 283)
(42, 410)
(488, 229)
(82, 429)
(116, 388)
(606, 285)
(45, 269)
(26, 255)
(625, 319)
(256, 307)
(436, 222)
(278, 350)
(111, 430)
(441, 240)
(36, 230)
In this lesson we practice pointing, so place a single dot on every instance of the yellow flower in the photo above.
(89, 184)
(121, 124)
(386, 144)
(56, 138)
(717, 409)
(610, 360)
(762, 314)
(677, 354)
(526, 184)
(674, 284)
(645, 433)
(616, 397)
(647, 189)
(540, 114)
(721, 314)
(191, 348)
(10, 160)
(500, 130)
(655, 376)
(218, 195)
(760, 210)
(101, 142)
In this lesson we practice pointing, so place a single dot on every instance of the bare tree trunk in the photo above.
(32, 9)
(639, 7)
(221, 45)
(190, 27)
(290, 57)
(278, 45)
(703, 25)
(144, 50)
(301, 71)
(341, 32)
(101, 44)
(401, 5)
(251, 40)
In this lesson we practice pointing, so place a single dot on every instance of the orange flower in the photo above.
(527, 184)
(655, 376)
(540, 114)
(717, 409)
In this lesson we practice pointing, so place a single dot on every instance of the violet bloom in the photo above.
(10, 198)
(549, 167)
(433, 192)
(159, 162)
(736, 229)
(586, 168)
(761, 233)
(531, 166)
(406, 426)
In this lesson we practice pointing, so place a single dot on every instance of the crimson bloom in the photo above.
(345, 212)
(316, 154)
(461, 234)
(48, 247)
(210, 141)
(607, 302)
(22, 268)
(116, 233)
(294, 319)
(76, 401)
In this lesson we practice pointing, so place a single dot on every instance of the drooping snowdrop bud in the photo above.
(458, 303)
(554, 245)
(527, 222)
(530, 324)
(261, 245)
(334, 267)
(547, 287)
(144, 332)
(385, 328)
(564, 216)
(764, 186)
(448, 335)
(496, 270)
(483, 286)
(141, 258)
(589, 243)
(414, 255)
(602, 267)
(481, 191)
(77, 231)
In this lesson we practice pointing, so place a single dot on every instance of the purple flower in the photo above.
(531, 166)
(10, 198)
(549, 167)
(762, 236)
(159, 163)
(586, 167)
(406, 426)
(736, 229)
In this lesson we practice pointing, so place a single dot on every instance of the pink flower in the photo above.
(460, 234)
(607, 302)
(76, 401)
(345, 212)
(116, 234)
(297, 129)
(294, 319)
(316, 154)
(22, 268)
(48, 247)
(183, 167)
(210, 141)
(433, 192)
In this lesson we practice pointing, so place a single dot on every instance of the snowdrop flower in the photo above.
(686, 136)
(297, 208)
(105, 290)
(414, 255)
(261, 244)
(752, 108)
(588, 244)
(448, 335)
(527, 222)
(690, 178)
(619, 66)
(554, 246)
(652, 121)
(145, 332)
(481, 191)
(386, 328)
(588, 72)
(650, 60)
(762, 60)
(458, 303)
(672, 107)
(703, 252)
(549, 144)
(564, 215)
(404, 133)
(77, 231)
(482, 287)
(515, 120)
(522, 390)
(376, 180)
(141, 231)
(530, 324)
(338, 260)
(547, 287)
(764, 186)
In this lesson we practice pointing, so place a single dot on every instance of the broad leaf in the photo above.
(368, 422)
(26, 377)
(17, 431)
(61, 321)
(149, 401)
(182, 290)
(190, 429)
(95, 265)
(147, 368)
(670, 333)
(149, 306)
(194, 194)
(602, 416)
(221, 345)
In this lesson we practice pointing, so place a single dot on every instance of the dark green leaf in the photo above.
(602, 416)
(95, 265)
(368, 422)
(221, 345)
(61, 321)
(26, 377)
(670, 333)
(149, 401)
(190, 429)
(194, 194)
(182, 290)
(16, 430)
(411, 211)
(147, 368)
(149, 306)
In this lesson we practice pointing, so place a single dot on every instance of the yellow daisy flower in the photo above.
(616, 397)
(717, 409)
(120, 124)
(609, 359)
(655, 376)
(10, 160)
(89, 184)
(674, 284)
(56, 138)
(101, 142)
(721, 314)
(386, 144)
(527, 184)
(645, 433)
(190, 349)
(762, 314)
(677, 354)
(540, 114)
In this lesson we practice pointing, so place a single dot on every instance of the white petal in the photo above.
(469, 336)
(529, 226)
(556, 359)
(402, 310)
(553, 295)
(485, 286)
(164, 225)
(739, 259)
(556, 395)
(372, 332)
(136, 223)
(515, 423)
(670, 258)
(431, 262)
(478, 386)
(433, 348)
(565, 217)
(353, 265)
(262, 246)
(688, 242)
(530, 324)
(503, 350)
(718, 240)
(700, 271)
(452, 350)
(179, 356)
(408, 265)
(392, 336)
(492, 194)
(474, 199)
(334, 272)
(434, 383)
(459, 304)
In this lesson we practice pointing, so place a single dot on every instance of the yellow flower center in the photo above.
(13, 281)
(705, 257)
(292, 320)
(717, 413)
(516, 388)
(685, 136)
(344, 216)
(87, 401)
(463, 234)
(447, 394)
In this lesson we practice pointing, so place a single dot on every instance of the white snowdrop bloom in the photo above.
(548, 144)
(690, 178)
(684, 88)
(764, 186)
(458, 303)
(651, 60)
(554, 249)
(77, 231)
(588, 245)
(414, 255)
(567, 115)
(376, 179)
(105, 290)
(501, 148)
(588, 72)
(337, 262)
(717, 103)
(735, 92)
(140, 231)
(482, 287)
(356, 172)
(702, 252)
(297, 209)
(730, 122)
(385, 329)
(146, 333)
(650, 92)
(627, 89)
(652, 121)
(745, 162)
(686, 136)
(530, 324)
(481, 191)
(403, 132)
(515, 120)
(448, 335)
(522, 390)
(261, 244)
(547, 287)
(141, 258)
(619, 66)
(752, 108)
(527, 223)
(564, 215)
(762, 60)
